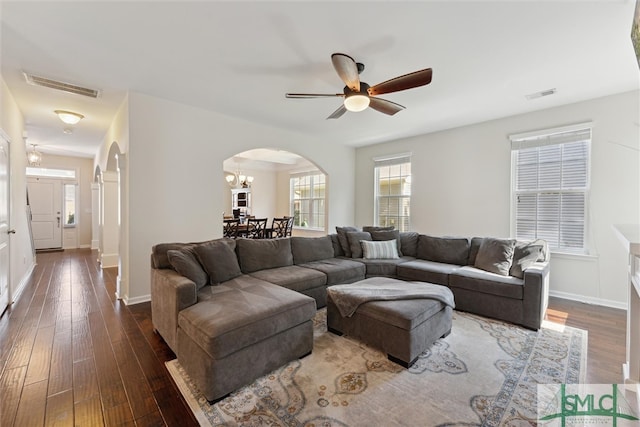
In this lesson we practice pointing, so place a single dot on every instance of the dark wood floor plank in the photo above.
(59, 411)
(11, 383)
(40, 360)
(61, 371)
(85, 381)
(32, 405)
(88, 412)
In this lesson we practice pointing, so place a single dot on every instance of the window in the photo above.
(307, 199)
(51, 173)
(393, 192)
(550, 186)
(70, 205)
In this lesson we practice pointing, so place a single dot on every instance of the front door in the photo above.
(45, 198)
(4, 223)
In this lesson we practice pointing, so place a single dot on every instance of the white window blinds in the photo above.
(393, 191)
(551, 186)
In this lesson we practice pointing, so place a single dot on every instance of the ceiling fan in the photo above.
(359, 95)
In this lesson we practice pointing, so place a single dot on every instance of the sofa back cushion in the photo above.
(309, 249)
(186, 263)
(409, 243)
(159, 258)
(370, 228)
(449, 250)
(261, 254)
(473, 251)
(218, 257)
(495, 255)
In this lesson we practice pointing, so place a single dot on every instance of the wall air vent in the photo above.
(541, 94)
(65, 87)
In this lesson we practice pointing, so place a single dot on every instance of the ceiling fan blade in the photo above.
(408, 81)
(312, 95)
(385, 106)
(347, 70)
(338, 113)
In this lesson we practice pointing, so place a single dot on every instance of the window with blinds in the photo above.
(551, 186)
(393, 192)
(307, 200)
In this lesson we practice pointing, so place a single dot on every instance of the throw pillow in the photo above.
(370, 228)
(525, 254)
(354, 238)
(381, 249)
(409, 243)
(344, 241)
(218, 257)
(495, 255)
(388, 235)
(185, 262)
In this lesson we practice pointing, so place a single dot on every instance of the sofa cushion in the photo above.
(449, 250)
(495, 255)
(293, 277)
(426, 271)
(383, 267)
(186, 263)
(261, 254)
(218, 259)
(338, 270)
(159, 256)
(409, 243)
(370, 228)
(354, 238)
(388, 235)
(474, 279)
(242, 312)
(337, 249)
(309, 249)
(384, 249)
(344, 240)
(473, 250)
(525, 254)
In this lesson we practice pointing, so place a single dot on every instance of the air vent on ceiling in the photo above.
(65, 87)
(541, 94)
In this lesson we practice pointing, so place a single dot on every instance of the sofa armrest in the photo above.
(170, 293)
(536, 294)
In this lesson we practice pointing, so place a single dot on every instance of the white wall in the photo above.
(461, 186)
(176, 179)
(21, 255)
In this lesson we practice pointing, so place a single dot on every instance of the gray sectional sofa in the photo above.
(234, 310)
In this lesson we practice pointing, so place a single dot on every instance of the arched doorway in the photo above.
(277, 183)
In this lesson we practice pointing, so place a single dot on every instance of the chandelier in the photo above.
(238, 180)
(34, 157)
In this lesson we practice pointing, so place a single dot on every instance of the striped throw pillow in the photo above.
(381, 249)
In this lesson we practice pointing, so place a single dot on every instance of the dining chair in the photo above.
(230, 228)
(279, 227)
(256, 228)
(289, 225)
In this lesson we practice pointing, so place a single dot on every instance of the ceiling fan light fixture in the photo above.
(356, 102)
(69, 117)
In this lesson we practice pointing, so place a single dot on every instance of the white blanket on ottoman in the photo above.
(348, 298)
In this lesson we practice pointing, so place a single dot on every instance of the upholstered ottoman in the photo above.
(402, 323)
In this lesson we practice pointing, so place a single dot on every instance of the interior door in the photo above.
(45, 198)
(4, 224)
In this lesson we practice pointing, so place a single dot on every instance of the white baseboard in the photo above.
(108, 260)
(136, 300)
(23, 283)
(589, 300)
(85, 247)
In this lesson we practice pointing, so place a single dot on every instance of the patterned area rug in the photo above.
(483, 374)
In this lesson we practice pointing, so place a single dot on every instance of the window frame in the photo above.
(581, 132)
(322, 200)
(388, 161)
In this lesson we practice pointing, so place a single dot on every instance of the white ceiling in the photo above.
(239, 59)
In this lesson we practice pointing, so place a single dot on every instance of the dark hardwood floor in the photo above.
(71, 354)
